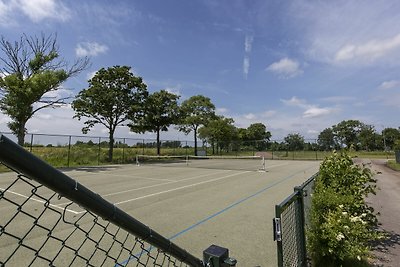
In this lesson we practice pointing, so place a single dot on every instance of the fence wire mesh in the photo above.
(292, 239)
(41, 226)
(37, 229)
(293, 214)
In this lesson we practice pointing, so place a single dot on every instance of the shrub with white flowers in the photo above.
(342, 225)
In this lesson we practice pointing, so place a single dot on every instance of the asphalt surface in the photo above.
(387, 203)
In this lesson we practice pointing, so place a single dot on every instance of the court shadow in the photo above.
(382, 249)
(92, 169)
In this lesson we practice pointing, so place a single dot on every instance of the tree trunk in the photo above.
(158, 142)
(21, 134)
(195, 141)
(111, 146)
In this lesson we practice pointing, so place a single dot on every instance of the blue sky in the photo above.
(296, 66)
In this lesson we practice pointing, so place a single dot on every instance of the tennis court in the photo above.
(195, 206)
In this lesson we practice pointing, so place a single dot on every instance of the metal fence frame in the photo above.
(290, 224)
(31, 167)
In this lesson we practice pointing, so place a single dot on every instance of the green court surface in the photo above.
(195, 207)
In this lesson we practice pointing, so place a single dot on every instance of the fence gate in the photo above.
(290, 223)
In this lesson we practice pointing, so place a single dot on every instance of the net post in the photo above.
(187, 160)
(137, 160)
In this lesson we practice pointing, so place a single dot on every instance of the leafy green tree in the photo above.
(294, 141)
(390, 136)
(326, 139)
(32, 68)
(195, 112)
(347, 132)
(112, 95)
(161, 110)
(219, 132)
(258, 133)
(367, 137)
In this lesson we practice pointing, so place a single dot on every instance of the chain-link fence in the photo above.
(38, 227)
(290, 224)
(75, 150)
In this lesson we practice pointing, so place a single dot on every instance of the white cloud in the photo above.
(389, 85)
(174, 90)
(285, 68)
(90, 49)
(246, 66)
(249, 116)
(310, 111)
(344, 32)
(368, 52)
(35, 10)
(5, 13)
(313, 112)
(222, 110)
(294, 101)
(248, 42)
(38, 10)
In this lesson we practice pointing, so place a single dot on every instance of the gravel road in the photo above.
(387, 203)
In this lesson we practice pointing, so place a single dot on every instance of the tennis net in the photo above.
(249, 163)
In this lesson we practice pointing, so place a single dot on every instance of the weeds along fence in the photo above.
(37, 229)
(75, 150)
(290, 224)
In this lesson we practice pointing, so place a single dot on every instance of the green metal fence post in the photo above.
(278, 212)
(302, 234)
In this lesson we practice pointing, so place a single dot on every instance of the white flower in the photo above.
(344, 213)
(358, 258)
(341, 206)
(339, 237)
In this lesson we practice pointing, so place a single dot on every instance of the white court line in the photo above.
(40, 201)
(178, 188)
(140, 177)
(150, 186)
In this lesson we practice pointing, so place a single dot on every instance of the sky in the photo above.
(296, 66)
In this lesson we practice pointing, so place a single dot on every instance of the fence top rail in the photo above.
(292, 197)
(20, 160)
(289, 200)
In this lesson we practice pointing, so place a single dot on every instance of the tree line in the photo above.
(32, 68)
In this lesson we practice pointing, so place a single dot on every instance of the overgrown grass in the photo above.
(393, 165)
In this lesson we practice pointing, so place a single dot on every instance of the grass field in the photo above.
(94, 155)
(393, 165)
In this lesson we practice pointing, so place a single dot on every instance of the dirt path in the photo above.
(387, 203)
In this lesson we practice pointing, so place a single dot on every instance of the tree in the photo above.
(31, 69)
(347, 132)
(368, 137)
(219, 132)
(195, 112)
(112, 95)
(258, 133)
(161, 110)
(294, 141)
(390, 136)
(326, 139)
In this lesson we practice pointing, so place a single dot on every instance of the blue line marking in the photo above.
(220, 212)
